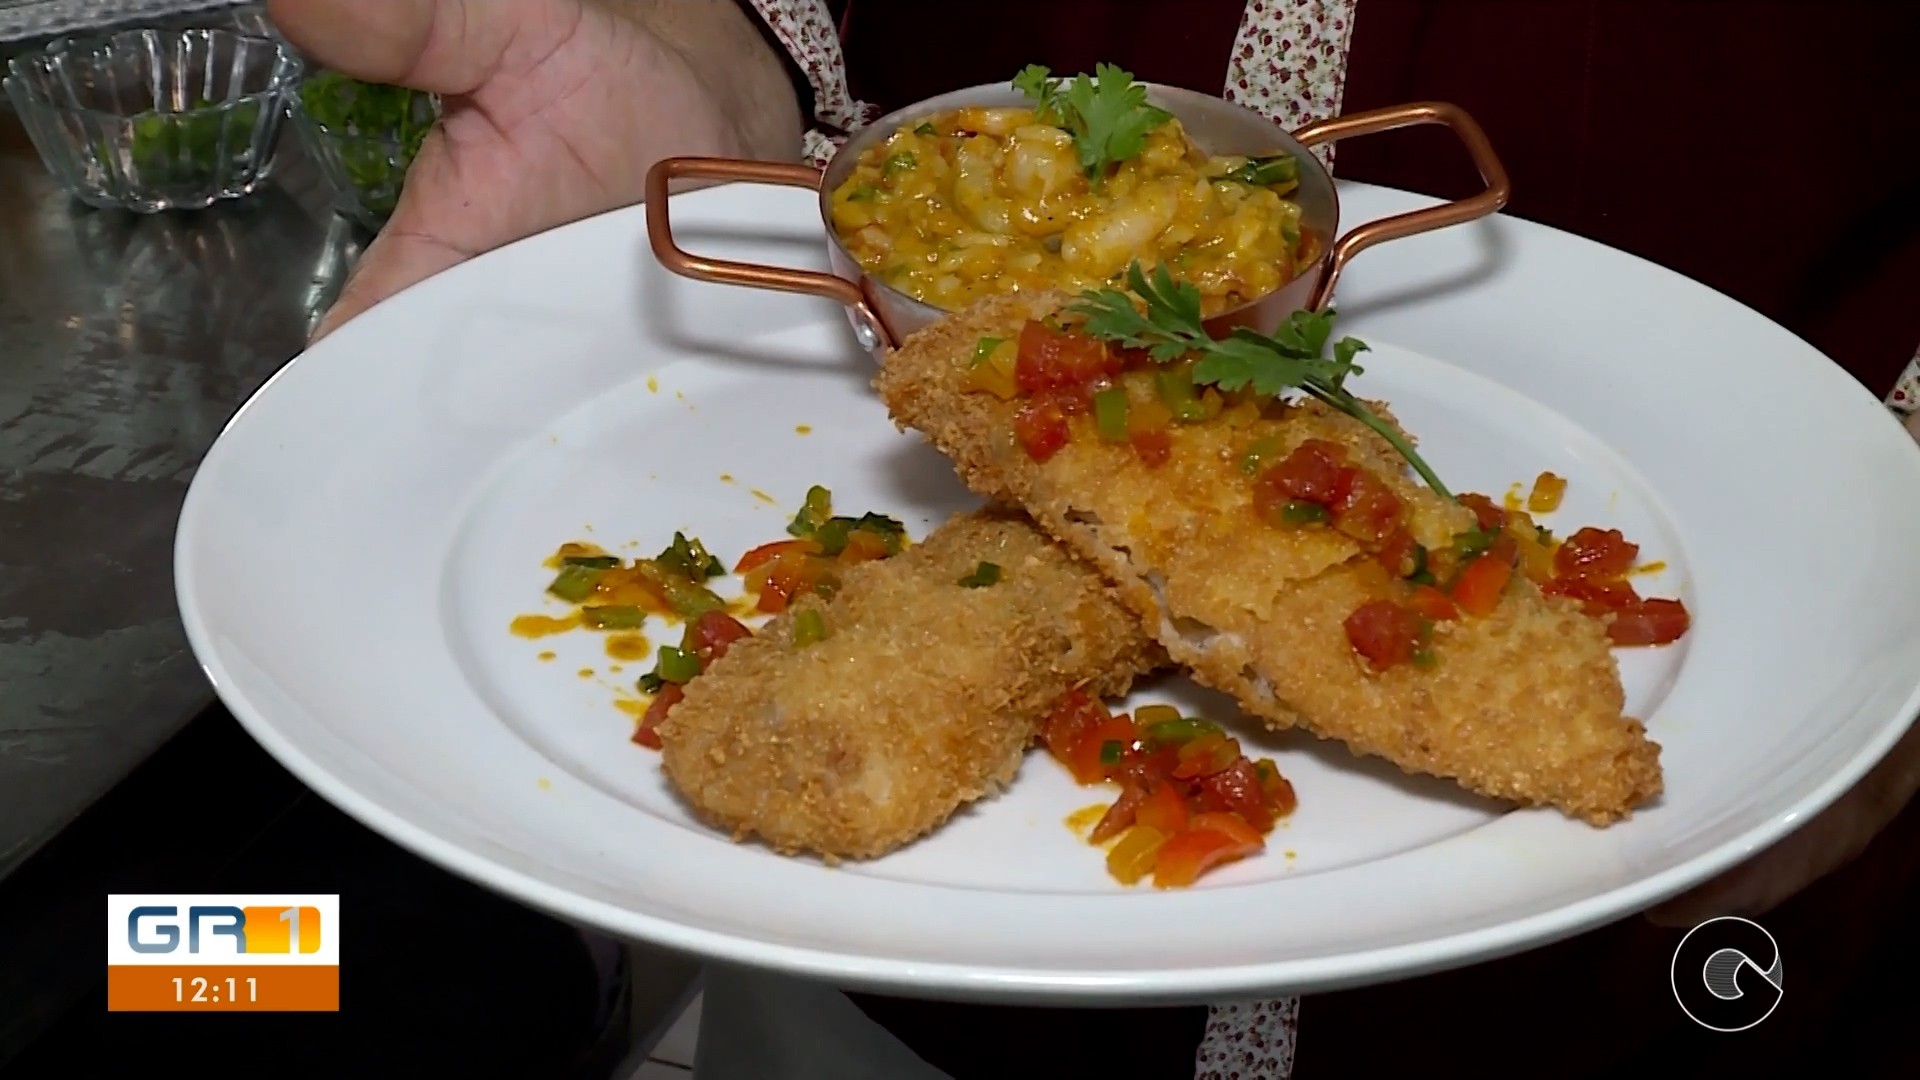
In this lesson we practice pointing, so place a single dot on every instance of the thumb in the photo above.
(440, 46)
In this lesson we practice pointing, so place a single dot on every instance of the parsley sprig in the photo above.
(1107, 114)
(1292, 358)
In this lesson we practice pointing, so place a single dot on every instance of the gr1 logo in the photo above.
(224, 929)
(201, 953)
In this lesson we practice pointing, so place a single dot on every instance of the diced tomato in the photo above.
(1397, 553)
(1366, 509)
(1595, 553)
(1596, 597)
(1153, 448)
(1119, 816)
(1150, 766)
(709, 636)
(1052, 359)
(1479, 584)
(863, 546)
(1312, 473)
(766, 553)
(1184, 858)
(1072, 717)
(1650, 622)
(1385, 633)
(1041, 427)
(1432, 604)
(1163, 809)
(646, 733)
(1235, 827)
(1084, 760)
(1237, 789)
(1489, 514)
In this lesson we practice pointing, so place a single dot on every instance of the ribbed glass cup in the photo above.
(152, 120)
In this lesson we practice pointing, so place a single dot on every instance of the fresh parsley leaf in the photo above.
(1107, 115)
(1036, 82)
(1163, 316)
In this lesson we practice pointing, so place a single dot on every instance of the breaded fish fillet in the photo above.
(1523, 705)
(923, 697)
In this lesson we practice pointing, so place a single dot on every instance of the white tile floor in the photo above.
(673, 1058)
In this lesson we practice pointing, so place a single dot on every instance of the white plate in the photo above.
(357, 541)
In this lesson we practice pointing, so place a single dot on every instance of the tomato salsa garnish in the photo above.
(1189, 799)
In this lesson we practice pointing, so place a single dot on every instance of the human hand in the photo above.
(553, 110)
(1831, 840)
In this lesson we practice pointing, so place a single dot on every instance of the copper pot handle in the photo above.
(1451, 117)
(726, 271)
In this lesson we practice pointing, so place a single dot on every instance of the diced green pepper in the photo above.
(1110, 752)
(1110, 413)
(1258, 454)
(1420, 570)
(690, 559)
(809, 626)
(688, 599)
(1186, 729)
(1301, 512)
(575, 583)
(597, 562)
(814, 512)
(1474, 542)
(1177, 392)
(1424, 658)
(832, 535)
(676, 665)
(925, 129)
(985, 349)
(900, 162)
(983, 575)
(651, 682)
(613, 617)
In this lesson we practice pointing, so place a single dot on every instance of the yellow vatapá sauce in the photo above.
(973, 202)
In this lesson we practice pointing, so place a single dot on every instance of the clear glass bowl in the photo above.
(152, 120)
(363, 138)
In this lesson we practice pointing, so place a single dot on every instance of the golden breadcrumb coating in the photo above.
(924, 696)
(1523, 705)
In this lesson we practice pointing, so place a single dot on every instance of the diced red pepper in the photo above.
(1649, 622)
(1119, 817)
(786, 576)
(1491, 516)
(1229, 823)
(1397, 553)
(1365, 508)
(766, 553)
(1050, 360)
(1085, 759)
(1184, 858)
(1479, 584)
(1238, 789)
(709, 636)
(1596, 597)
(1041, 427)
(1385, 633)
(1163, 809)
(1595, 553)
(1206, 755)
(1312, 473)
(647, 733)
(1432, 604)
(1072, 717)
(1153, 448)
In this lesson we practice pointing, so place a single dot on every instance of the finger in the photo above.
(395, 260)
(440, 46)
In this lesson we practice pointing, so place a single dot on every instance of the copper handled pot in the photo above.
(882, 316)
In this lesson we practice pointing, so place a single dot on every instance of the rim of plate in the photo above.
(852, 969)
